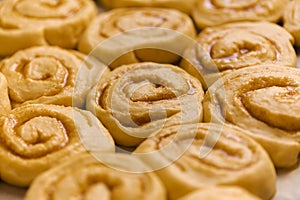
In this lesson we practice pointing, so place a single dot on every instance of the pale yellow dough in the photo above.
(209, 155)
(129, 35)
(220, 193)
(264, 101)
(37, 137)
(184, 6)
(50, 75)
(291, 19)
(5, 105)
(137, 100)
(226, 48)
(209, 13)
(29, 23)
(84, 177)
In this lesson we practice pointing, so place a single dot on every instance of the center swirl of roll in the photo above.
(47, 8)
(276, 105)
(42, 76)
(230, 153)
(141, 19)
(146, 95)
(132, 19)
(244, 48)
(35, 133)
(234, 4)
(42, 68)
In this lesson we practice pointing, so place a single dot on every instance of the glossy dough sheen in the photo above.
(217, 12)
(135, 101)
(226, 48)
(291, 19)
(84, 177)
(28, 23)
(37, 137)
(220, 193)
(185, 6)
(234, 160)
(145, 32)
(263, 101)
(5, 105)
(49, 75)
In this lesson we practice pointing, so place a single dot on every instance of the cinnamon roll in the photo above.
(49, 75)
(226, 48)
(291, 19)
(135, 101)
(232, 159)
(28, 23)
(37, 137)
(5, 106)
(263, 101)
(184, 6)
(129, 35)
(217, 12)
(84, 177)
(220, 193)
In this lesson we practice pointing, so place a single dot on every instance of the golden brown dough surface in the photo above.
(135, 101)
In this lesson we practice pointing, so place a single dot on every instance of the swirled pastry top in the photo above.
(25, 23)
(238, 45)
(291, 19)
(217, 12)
(135, 101)
(35, 137)
(185, 6)
(85, 177)
(264, 101)
(122, 30)
(204, 155)
(5, 105)
(49, 75)
(220, 193)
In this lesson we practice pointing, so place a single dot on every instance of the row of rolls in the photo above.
(78, 23)
(133, 103)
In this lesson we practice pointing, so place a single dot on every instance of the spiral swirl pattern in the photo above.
(25, 23)
(225, 193)
(291, 19)
(235, 160)
(264, 101)
(138, 25)
(36, 137)
(238, 45)
(216, 12)
(185, 6)
(84, 177)
(44, 75)
(134, 101)
(5, 105)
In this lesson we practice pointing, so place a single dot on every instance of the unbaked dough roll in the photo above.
(291, 19)
(263, 101)
(5, 105)
(137, 100)
(138, 34)
(25, 23)
(217, 12)
(226, 48)
(185, 6)
(37, 137)
(49, 75)
(84, 177)
(220, 193)
(232, 158)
